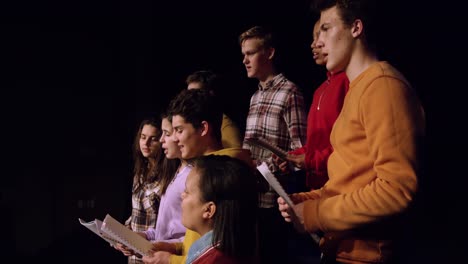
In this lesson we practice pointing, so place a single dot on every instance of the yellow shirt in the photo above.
(230, 134)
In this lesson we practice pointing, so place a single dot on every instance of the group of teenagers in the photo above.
(198, 197)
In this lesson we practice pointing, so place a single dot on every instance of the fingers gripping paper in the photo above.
(271, 179)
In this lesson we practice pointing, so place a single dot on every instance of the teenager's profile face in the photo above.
(187, 138)
(336, 40)
(256, 57)
(193, 209)
(149, 140)
(317, 49)
(171, 150)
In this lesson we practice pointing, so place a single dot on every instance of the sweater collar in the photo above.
(200, 246)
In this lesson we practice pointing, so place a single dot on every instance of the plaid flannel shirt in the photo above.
(145, 206)
(277, 114)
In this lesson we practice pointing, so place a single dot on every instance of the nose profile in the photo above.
(319, 43)
(313, 45)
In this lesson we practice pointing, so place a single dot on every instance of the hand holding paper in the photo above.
(296, 212)
(271, 179)
(115, 233)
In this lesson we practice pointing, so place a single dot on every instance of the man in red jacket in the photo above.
(325, 108)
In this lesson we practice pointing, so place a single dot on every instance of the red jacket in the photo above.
(325, 108)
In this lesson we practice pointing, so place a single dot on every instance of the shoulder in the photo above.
(383, 71)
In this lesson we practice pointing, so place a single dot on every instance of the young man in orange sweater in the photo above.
(373, 170)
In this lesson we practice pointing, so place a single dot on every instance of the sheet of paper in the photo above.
(115, 230)
(271, 179)
(95, 227)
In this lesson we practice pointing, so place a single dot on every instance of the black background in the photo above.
(80, 75)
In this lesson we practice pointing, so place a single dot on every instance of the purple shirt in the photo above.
(169, 226)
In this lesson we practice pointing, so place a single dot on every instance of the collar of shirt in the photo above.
(272, 83)
(200, 246)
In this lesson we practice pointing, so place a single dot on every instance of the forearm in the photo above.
(150, 234)
(168, 247)
(304, 196)
(368, 204)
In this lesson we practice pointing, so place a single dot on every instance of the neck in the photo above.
(212, 147)
(182, 165)
(359, 62)
(204, 229)
(267, 77)
(150, 162)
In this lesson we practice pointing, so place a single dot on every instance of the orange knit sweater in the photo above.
(372, 171)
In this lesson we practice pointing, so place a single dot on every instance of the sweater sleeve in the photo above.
(304, 196)
(393, 121)
(183, 248)
(298, 151)
(150, 234)
(317, 162)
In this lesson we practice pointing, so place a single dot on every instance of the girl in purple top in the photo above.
(169, 227)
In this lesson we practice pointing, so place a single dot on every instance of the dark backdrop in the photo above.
(79, 76)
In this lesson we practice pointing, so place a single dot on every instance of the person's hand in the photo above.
(282, 164)
(159, 257)
(285, 210)
(125, 250)
(294, 215)
(164, 246)
(254, 163)
(297, 160)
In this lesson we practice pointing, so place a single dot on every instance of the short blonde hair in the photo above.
(258, 32)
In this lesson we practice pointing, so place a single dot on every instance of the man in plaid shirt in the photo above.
(277, 114)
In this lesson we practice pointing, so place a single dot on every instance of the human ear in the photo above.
(357, 28)
(271, 52)
(210, 210)
(204, 128)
